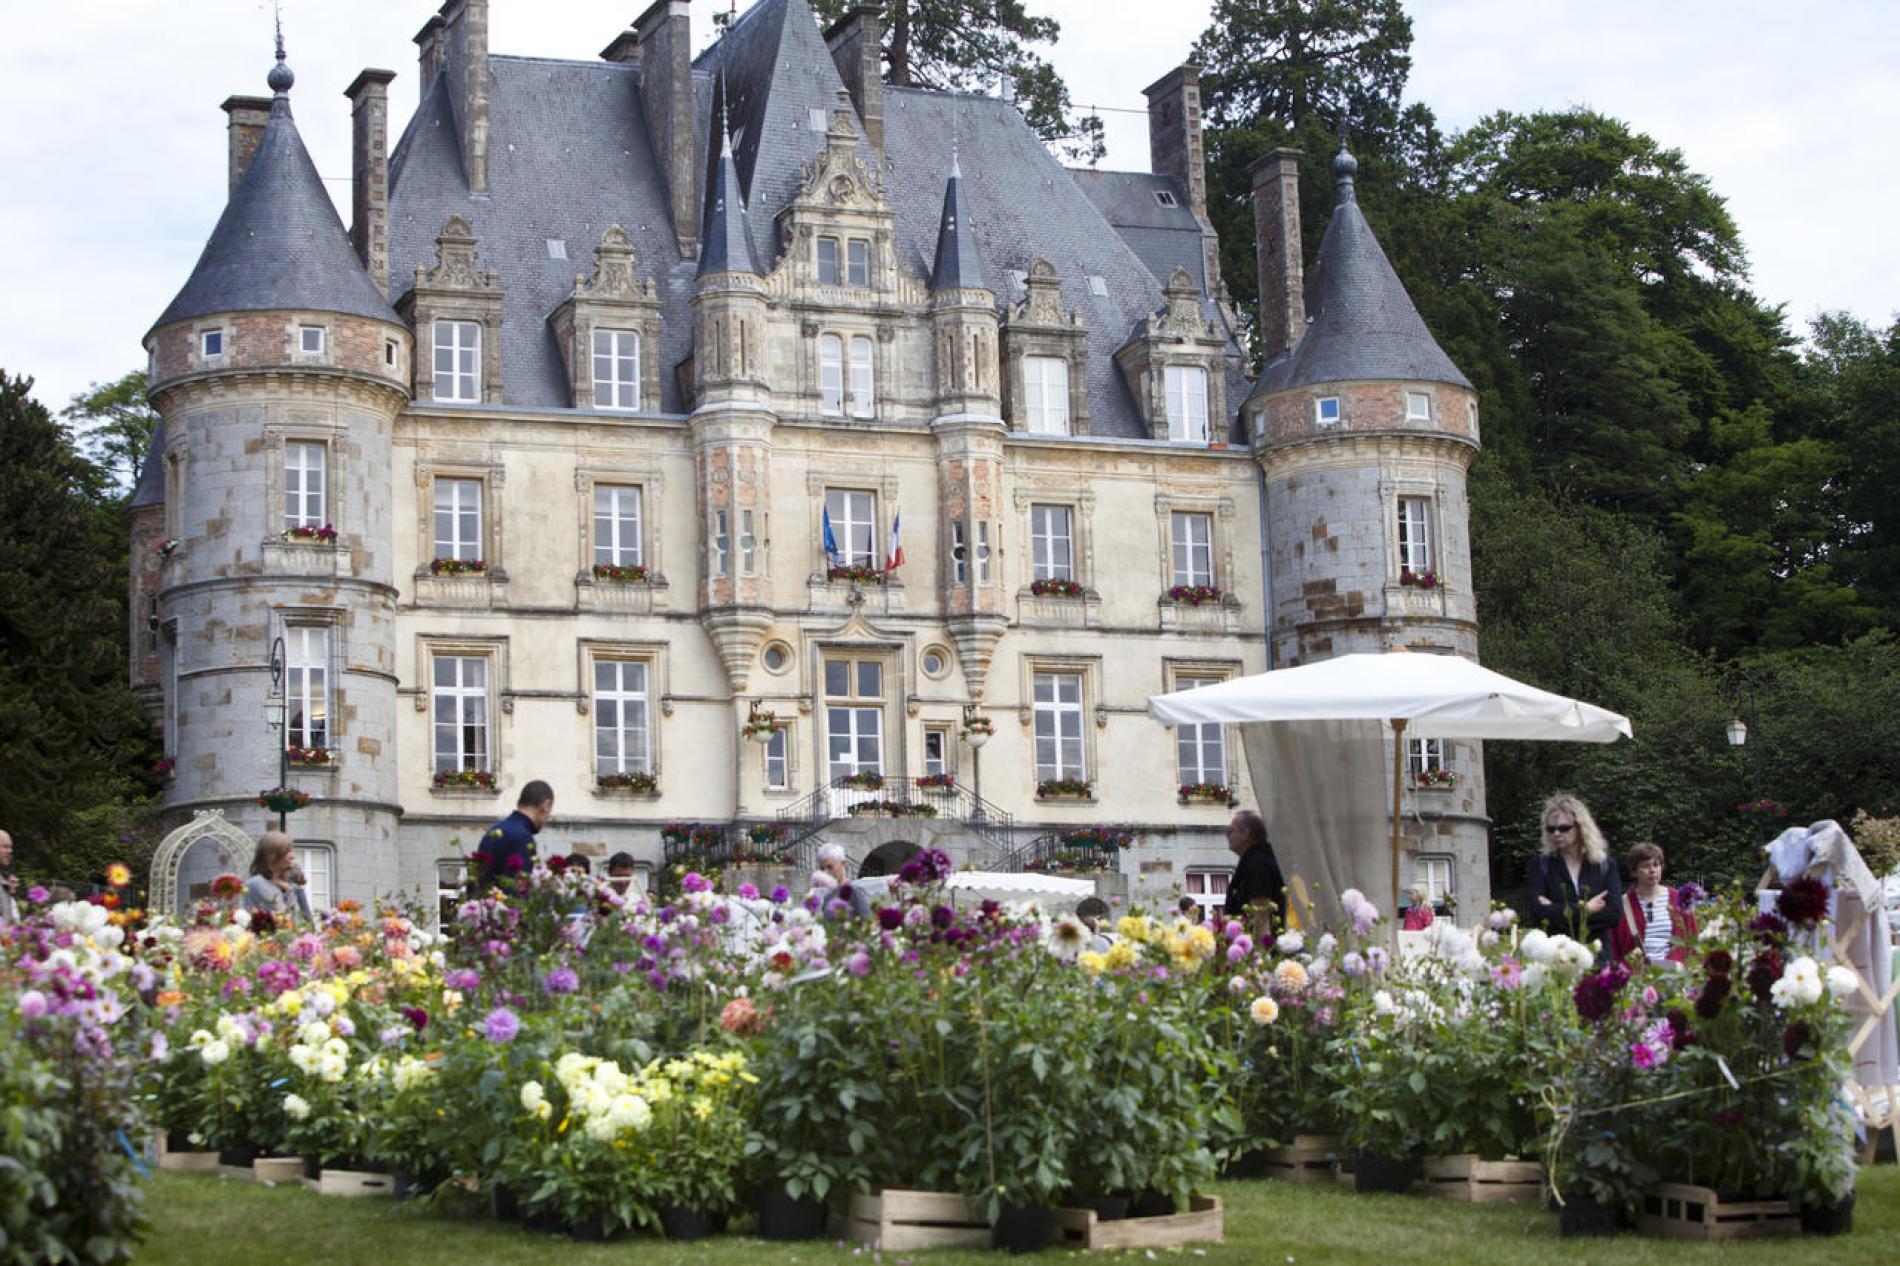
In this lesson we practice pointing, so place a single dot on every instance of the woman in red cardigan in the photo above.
(1654, 922)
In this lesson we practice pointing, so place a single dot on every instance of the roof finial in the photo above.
(725, 119)
(1344, 164)
(956, 168)
(280, 78)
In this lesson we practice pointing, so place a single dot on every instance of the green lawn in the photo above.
(202, 1220)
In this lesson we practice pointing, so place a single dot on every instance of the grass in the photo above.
(204, 1220)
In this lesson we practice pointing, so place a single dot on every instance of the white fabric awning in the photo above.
(1006, 885)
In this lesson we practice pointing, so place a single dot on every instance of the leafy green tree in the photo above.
(1852, 374)
(1287, 60)
(72, 738)
(114, 425)
(967, 45)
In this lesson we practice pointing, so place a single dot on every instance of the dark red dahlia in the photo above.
(1763, 973)
(1593, 1000)
(557, 863)
(1718, 962)
(890, 918)
(1729, 1118)
(1680, 1034)
(1803, 902)
(1709, 1003)
(417, 1017)
(1795, 1038)
(1768, 929)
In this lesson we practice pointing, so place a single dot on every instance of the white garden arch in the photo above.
(207, 829)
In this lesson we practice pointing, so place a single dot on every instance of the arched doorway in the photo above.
(192, 856)
(887, 858)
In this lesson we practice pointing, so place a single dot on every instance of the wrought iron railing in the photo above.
(846, 796)
(1063, 852)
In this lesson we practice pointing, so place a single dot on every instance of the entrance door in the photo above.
(854, 727)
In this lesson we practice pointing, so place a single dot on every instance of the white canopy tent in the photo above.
(1323, 711)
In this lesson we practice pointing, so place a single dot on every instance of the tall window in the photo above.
(748, 545)
(854, 716)
(616, 525)
(620, 717)
(936, 751)
(1193, 536)
(1425, 756)
(616, 369)
(959, 553)
(1052, 543)
(1415, 534)
(857, 262)
(460, 706)
(1200, 750)
(318, 863)
(306, 686)
(458, 519)
(458, 360)
(1434, 875)
(853, 526)
(303, 485)
(1046, 394)
(777, 762)
(1187, 402)
(1058, 713)
(863, 387)
(827, 261)
(831, 374)
(982, 552)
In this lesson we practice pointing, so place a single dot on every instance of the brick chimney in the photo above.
(856, 41)
(429, 51)
(248, 115)
(625, 49)
(369, 172)
(464, 59)
(1175, 149)
(1278, 251)
(666, 94)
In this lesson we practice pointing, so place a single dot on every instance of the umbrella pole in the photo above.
(1398, 785)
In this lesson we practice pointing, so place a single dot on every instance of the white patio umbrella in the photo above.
(1431, 696)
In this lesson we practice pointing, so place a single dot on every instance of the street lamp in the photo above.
(976, 732)
(1741, 694)
(278, 699)
(1737, 732)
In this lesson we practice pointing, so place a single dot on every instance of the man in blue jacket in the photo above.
(507, 848)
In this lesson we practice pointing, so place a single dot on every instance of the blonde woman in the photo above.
(1573, 886)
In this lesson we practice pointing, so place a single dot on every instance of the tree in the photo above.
(967, 45)
(1852, 377)
(113, 425)
(72, 738)
(1287, 60)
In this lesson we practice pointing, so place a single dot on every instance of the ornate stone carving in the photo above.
(455, 261)
(613, 270)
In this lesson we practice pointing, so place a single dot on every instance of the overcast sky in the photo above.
(113, 145)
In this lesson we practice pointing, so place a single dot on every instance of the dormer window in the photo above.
(458, 360)
(1165, 197)
(1418, 407)
(616, 369)
(1187, 403)
(213, 343)
(827, 261)
(1326, 411)
(857, 262)
(310, 339)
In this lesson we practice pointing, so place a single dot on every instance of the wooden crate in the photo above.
(277, 1169)
(1680, 1211)
(1309, 1158)
(899, 1220)
(187, 1162)
(350, 1182)
(1204, 1223)
(1480, 1181)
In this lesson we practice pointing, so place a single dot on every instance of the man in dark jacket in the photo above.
(507, 847)
(1257, 892)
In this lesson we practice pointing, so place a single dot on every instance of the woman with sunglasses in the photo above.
(1573, 886)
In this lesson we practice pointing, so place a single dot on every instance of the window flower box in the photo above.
(855, 573)
(465, 779)
(938, 782)
(325, 535)
(1098, 837)
(1050, 587)
(310, 757)
(1434, 779)
(1426, 579)
(1195, 595)
(866, 781)
(766, 833)
(629, 575)
(891, 809)
(283, 799)
(457, 567)
(1064, 789)
(1208, 793)
(694, 834)
(635, 782)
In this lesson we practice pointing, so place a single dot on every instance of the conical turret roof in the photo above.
(727, 244)
(1360, 322)
(279, 243)
(958, 265)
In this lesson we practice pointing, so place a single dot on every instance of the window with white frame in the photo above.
(1415, 534)
(854, 716)
(1207, 887)
(459, 707)
(1434, 876)
(1425, 756)
(1187, 402)
(1058, 727)
(1052, 543)
(831, 374)
(827, 261)
(304, 469)
(982, 552)
(857, 262)
(1046, 395)
(621, 737)
(616, 369)
(936, 750)
(616, 525)
(458, 519)
(310, 339)
(212, 343)
(853, 525)
(1192, 533)
(1418, 406)
(748, 544)
(318, 863)
(1200, 750)
(863, 383)
(306, 686)
(778, 774)
(1326, 410)
(458, 360)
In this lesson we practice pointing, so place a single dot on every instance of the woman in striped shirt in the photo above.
(1653, 919)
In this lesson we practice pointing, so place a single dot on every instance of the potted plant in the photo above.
(864, 780)
(457, 566)
(465, 779)
(615, 573)
(760, 725)
(309, 756)
(283, 799)
(937, 782)
(1064, 789)
(1426, 579)
(1194, 595)
(1208, 793)
(325, 535)
(854, 573)
(1055, 587)
(638, 782)
(1434, 779)
(976, 729)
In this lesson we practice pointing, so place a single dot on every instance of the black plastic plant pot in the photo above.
(1834, 1219)
(1392, 1175)
(1582, 1217)
(599, 1229)
(312, 1167)
(1106, 1208)
(237, 1157)
(1024, 1230)
(783, 1218)
(685, 1224)
(1151, 1204)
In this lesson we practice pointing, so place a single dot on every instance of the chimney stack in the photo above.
(369, 172)
(248, 116)
(463, 57)
(625, 49)
(429, 51)
(1175, 149)
(666, 94)
(1278, 249)
(856, 41)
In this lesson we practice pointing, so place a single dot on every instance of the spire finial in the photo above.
(725, 119)
(1344, 164)
(280, 78)
(956, 168)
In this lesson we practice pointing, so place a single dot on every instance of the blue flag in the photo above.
(831, 542)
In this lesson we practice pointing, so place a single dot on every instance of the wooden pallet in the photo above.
(1679, 1211)
(1480, 1181)
(899, 1220)
(186, 1162)
(1308, 1159)
(1204, 1223)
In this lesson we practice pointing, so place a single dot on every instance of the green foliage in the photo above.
(1343, 60)
(114, 426)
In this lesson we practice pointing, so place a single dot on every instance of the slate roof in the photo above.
(279, 243)
(724, 242)
(151, 485)
(1162, 237)
(1360, 322)
(957, 265)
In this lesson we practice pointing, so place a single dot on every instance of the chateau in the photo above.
(743, 442)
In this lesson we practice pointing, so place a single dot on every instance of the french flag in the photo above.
(896, 557)
(831, 542)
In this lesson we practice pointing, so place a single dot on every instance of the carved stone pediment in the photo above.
(455, 257)
(1042, 300)
(1180, 314)
(613, 271)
